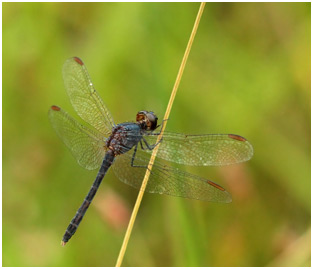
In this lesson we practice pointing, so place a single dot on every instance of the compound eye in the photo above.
(153, 119)
(141, 115)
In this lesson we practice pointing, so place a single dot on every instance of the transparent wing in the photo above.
(167, 180)
(84, 98)
(198, 150)
(87, 146)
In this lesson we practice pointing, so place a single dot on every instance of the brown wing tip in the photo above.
(55, 108)
(237, 137)
(63, 243)
(78, 60)
(216, 185)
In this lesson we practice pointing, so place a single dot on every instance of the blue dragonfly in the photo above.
(127, 147)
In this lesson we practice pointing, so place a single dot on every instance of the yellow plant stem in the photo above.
(155, 150)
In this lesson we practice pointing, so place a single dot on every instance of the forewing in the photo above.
(208, 150)
(84, 98)
(166, 180)
(87, 146)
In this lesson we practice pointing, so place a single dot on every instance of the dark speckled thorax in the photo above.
(124, 136)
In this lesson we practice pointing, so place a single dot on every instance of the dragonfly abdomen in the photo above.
(72, 227)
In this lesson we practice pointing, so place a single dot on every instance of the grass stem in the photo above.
(154, 152)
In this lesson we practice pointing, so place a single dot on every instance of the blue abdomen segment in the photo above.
(71, 229)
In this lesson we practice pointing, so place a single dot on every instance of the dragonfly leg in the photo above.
(147, 145)
(158, 127)
(150, 147)
(133, 159)
(141, 145)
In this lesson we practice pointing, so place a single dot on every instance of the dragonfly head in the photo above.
(147, 120)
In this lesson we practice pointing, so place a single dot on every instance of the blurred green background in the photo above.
(248, 73)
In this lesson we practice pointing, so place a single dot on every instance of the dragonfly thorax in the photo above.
(124, 136)
(147, 120)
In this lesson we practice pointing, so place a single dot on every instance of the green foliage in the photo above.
(248, 73)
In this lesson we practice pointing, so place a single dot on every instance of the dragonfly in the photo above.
(127, 147)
